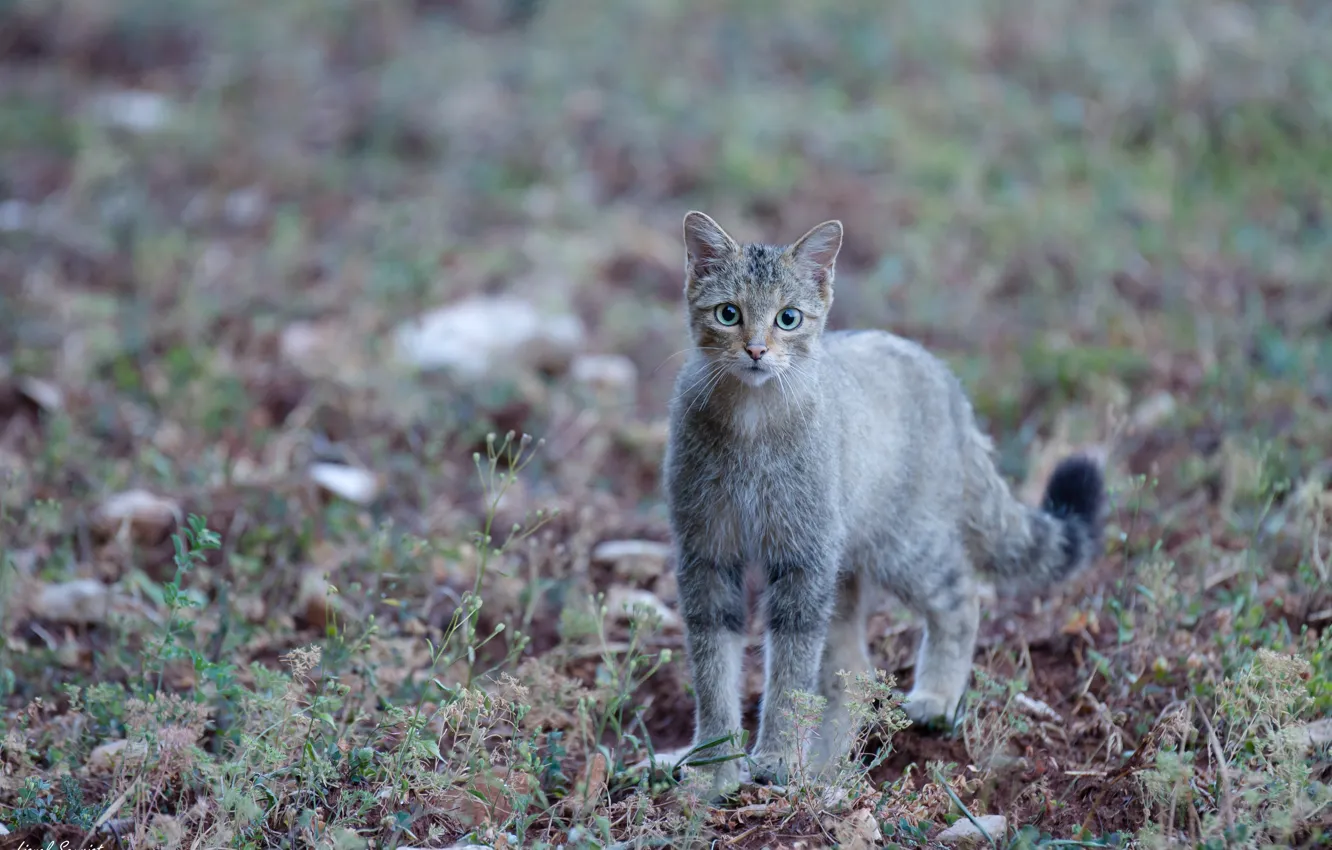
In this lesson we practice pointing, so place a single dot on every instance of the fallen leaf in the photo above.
(859, 831)
(590, 787)
(1036, 708)
(497, 790)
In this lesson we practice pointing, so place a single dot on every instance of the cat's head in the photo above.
(757, 310)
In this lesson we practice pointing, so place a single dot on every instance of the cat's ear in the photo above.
(815, 253)
(706, 244)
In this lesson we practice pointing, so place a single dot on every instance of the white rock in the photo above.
(633, 559)
(44, 394)
(4, 830)
(134, 109)
(15, 216)
(140, 512)
(1154, 411)
(112, 754)
(316, 599)
(606, 373)
(965, 834)
(1316, 735)
(348, 482)
(621, 601)
(611, 551)
(316, 348)
(81, 601)
(481, 335)
(244, 207)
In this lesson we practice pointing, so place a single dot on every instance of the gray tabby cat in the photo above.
(837, 464)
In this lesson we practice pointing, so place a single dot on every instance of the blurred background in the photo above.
(285, 264)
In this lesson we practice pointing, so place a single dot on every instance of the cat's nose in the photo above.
(756, 350)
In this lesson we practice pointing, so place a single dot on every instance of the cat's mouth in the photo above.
(754, 373)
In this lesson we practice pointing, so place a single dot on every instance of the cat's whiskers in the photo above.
(712, 366)
(670, 357)
(781, 389)
(706, 392)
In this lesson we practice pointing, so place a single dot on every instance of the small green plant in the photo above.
(191, 549)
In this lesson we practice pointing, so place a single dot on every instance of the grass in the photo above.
(1110, 217)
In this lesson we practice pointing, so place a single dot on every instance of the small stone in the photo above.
(479, 336)
(143, 515)
(621, 601)
(133, 109)
(245, 207)
(319, 349)
(316, 600)
(1315, 736)
(964, 833)
(348, 482)
(82, 601)
(44, 394)
(15, 216)
(113, 754)
(633, 559)
(1154, 411)
(611, 376)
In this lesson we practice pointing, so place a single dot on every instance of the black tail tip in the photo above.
(1076, 489)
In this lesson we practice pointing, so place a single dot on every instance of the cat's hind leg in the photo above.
(948, 602)
(844, 649)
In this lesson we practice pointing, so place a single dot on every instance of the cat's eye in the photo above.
(789, 319)
(728, 314)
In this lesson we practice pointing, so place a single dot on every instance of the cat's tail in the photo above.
(1027, 547)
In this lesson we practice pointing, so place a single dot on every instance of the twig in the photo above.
(1223, 774)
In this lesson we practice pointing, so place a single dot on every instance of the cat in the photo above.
(838, 464)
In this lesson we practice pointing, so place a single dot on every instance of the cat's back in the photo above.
(879, 359)
(903, 418)
(893, 396)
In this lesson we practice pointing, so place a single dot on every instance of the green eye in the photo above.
(789, 319)
(728, 314)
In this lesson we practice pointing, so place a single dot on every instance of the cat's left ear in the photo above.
(815, 253)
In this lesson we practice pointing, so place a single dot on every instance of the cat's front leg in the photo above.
(712, 605)
(799, 601)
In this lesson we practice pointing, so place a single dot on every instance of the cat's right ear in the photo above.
(706, 244)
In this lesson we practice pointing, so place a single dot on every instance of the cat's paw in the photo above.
(931, 712)
(769, 768)
(714, 782)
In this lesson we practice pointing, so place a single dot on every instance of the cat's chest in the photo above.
(758, 496)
